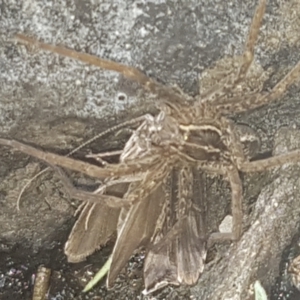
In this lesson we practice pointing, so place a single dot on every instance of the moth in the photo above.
(150, 196)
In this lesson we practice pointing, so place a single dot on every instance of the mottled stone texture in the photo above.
(57, 103)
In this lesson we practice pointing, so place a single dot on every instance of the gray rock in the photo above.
(57, 103)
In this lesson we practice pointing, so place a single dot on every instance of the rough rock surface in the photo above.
(57, 103)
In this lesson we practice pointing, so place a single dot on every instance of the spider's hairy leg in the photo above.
(248, 54)
(272, 162)
(129, 72)
(91, 197)
(257, 100)
(77, 165)
(112, 129)
(236, 208)
(218, 92)
(236, 202)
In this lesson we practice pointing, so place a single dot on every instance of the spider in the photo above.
(188, 136)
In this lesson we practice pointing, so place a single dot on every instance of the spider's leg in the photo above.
(248, 54)
(129, 72)
(218, 92)
(114, 201)
(236, 205)
(109, 171)
(236, 208)
(265, 164)
(256, 100)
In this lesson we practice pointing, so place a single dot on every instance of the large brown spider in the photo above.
(170, 149)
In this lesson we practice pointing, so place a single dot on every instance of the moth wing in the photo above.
(91, 230)
(94, 227)
(191, 250)
(192, 239)
(178, 253)
(160, 269)
(160, 266)
(135, 231)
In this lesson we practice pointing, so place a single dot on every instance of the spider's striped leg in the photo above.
(127, 71)
(109, 171)
(256, 100)
(248, 54)
(218, 92)
(114, 200)
(244, 145)
(132, 73)
(236, 207)
(264, 164)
